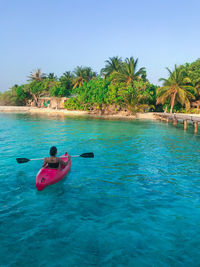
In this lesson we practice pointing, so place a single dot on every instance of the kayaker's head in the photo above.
(53, 151)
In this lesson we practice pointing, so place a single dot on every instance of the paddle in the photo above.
(84, 155)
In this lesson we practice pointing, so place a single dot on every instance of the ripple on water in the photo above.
(137, 203)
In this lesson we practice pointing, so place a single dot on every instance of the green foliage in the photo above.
(66, 80)
(5, 99)
(21, 94)
(16, 96)
(116, 93)
(138, 98)
(177, 107)
(75, 104)
(52, 76)
(59, 90)
(128, 72)
(36, 87)
(124, 85)
(95, 93)
(112, 64)
(193, 71)
(83, 74)
(48, 87)
(151, 91)
(177, 88)
(92, 93)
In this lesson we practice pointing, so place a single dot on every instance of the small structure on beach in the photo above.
(48, 102)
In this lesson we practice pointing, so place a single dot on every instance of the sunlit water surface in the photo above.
(137, 203)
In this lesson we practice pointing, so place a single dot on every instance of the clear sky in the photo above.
(58, 35)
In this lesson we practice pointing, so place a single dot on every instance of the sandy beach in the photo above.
(50, 112)
(78, 113)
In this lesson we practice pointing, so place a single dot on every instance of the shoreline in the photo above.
(51, 112)
(87, 114)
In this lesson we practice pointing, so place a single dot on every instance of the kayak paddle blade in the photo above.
(87, 155)
(22, 160)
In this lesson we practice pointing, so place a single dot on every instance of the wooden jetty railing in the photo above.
(183, 118)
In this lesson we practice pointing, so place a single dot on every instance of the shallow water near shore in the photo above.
(137, 203)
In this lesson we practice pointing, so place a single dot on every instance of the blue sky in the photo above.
(57, 36)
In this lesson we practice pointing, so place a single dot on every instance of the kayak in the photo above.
(47, 176)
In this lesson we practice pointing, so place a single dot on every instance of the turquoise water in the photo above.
(137, 203)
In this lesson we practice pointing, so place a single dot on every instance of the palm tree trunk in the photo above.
(35, 99)
(172, 102)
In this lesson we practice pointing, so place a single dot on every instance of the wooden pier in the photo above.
(180, 118)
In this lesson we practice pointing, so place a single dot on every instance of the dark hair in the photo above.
(53, 151)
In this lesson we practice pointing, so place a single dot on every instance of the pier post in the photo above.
(175, 122)
(175, 118)
(195, 127)
(185, 124)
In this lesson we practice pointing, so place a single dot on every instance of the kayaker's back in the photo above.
(53, 165)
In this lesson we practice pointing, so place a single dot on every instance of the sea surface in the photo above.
(137, 203)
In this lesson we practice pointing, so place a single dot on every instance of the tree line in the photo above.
(121, 83)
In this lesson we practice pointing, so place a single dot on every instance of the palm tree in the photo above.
(197, 85)
(176, 88)
(112, 64)
(37, 75)
(67, 80)
(128, 73)
(52, 76)
(83, 74)
(68, 75)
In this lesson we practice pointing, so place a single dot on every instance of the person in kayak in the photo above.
(53, 161)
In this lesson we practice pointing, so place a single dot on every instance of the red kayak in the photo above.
(47, 176)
